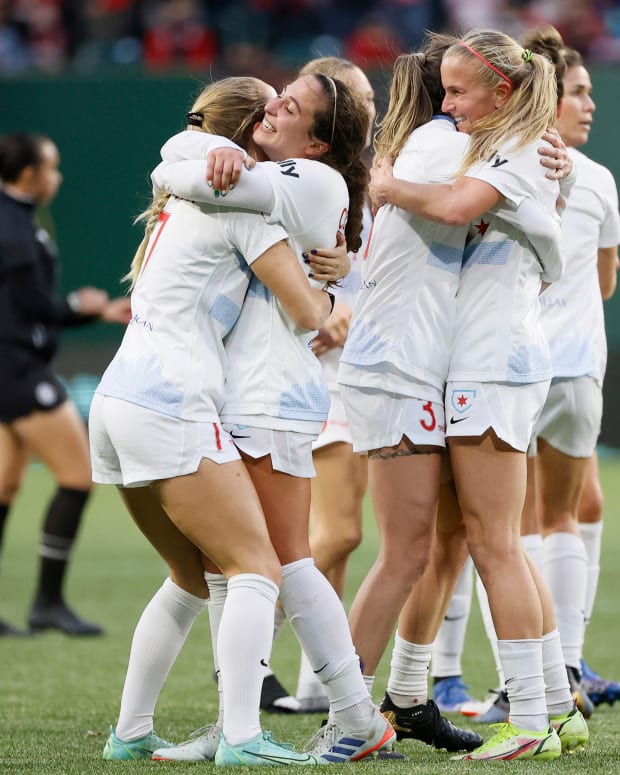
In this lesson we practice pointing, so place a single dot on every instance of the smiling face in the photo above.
(285, 131)
(576, 108)
(467, 99)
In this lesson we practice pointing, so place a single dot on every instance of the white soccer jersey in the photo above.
(498, 334)
(273, 378)
(403, 317)
(188, 296)
(572, 308)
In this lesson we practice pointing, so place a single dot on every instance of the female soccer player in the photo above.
(35, 415)
(156, 433)
(499, 369)
(276, 405)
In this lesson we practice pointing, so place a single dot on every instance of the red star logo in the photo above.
(461, 400)
(482, 227)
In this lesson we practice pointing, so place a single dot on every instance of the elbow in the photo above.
(311, 320)
(608, 289)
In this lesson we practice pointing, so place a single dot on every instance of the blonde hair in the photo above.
(230, 108)
(416, 95)
(334, 67)
(529, 110)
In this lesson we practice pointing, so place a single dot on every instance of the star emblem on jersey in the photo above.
(482, 227)
(462, 400)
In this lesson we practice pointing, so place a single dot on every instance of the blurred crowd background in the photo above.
(268, 36)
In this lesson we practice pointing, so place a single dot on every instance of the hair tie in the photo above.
(527, 55)
(194, 119)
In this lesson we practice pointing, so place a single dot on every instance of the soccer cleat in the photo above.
(450, 694)
(262, 750)
(59, 616)
(572, 730)
(200, 746)
(333, 744)
(511, 742)
(275, 699)
(116, 749)
(494, 711)
(425, 723)
(598, 689)
(582, 700)
(8, 631)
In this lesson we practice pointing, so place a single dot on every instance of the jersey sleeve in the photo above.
(302, 187)
(193, 145)
(543, 233)
(517, 174)
(252, 236)
(186, 179)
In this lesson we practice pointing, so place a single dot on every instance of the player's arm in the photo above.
(187, 179)
(608, 265)
(453, 204)
(280, 271)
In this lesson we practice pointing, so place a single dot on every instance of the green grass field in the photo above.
(59, 695)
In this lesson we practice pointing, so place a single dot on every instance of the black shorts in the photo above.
(36, 390)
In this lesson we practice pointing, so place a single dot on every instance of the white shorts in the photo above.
(510, 409)
(379, 419)
(131, 446)
(336, 428)
(571, 417)
(291, 452)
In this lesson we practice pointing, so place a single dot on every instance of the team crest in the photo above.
(462, 400)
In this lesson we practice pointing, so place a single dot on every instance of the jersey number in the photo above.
(430, 426)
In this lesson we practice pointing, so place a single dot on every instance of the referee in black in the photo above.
(35, 415)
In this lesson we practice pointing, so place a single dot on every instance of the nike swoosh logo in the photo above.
(263, 663)
(462, 616)
(282, 759)
(321, 668)
(454, 421)
(239, 437)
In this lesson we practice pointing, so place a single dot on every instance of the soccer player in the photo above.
(275, 398)
(35, 416)
(499, 370)
(156, 434)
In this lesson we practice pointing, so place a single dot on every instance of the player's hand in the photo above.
(329, 264)
(337, 324)
(117, 310)
(224, 167)
(322, 342)
(381, 178)
(89, 301)
(556, 159)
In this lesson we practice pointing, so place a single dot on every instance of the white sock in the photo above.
(566, 572)
(448, 646)
(369, 682)
(487, 619)
(320, 623)
(408, 681)
(523, 667)
(557, 689)
(157, 640)
(218, 588)
(308, 685)
(534, 548)
(591, 534)
(244, 644)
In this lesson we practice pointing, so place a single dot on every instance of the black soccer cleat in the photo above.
(425, 723)
(59, 616)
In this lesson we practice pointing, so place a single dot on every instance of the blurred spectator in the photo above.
(267, 37)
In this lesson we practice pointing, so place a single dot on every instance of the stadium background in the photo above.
(109, 100)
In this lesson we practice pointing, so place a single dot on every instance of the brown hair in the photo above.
(342, 123)
(548, 41)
